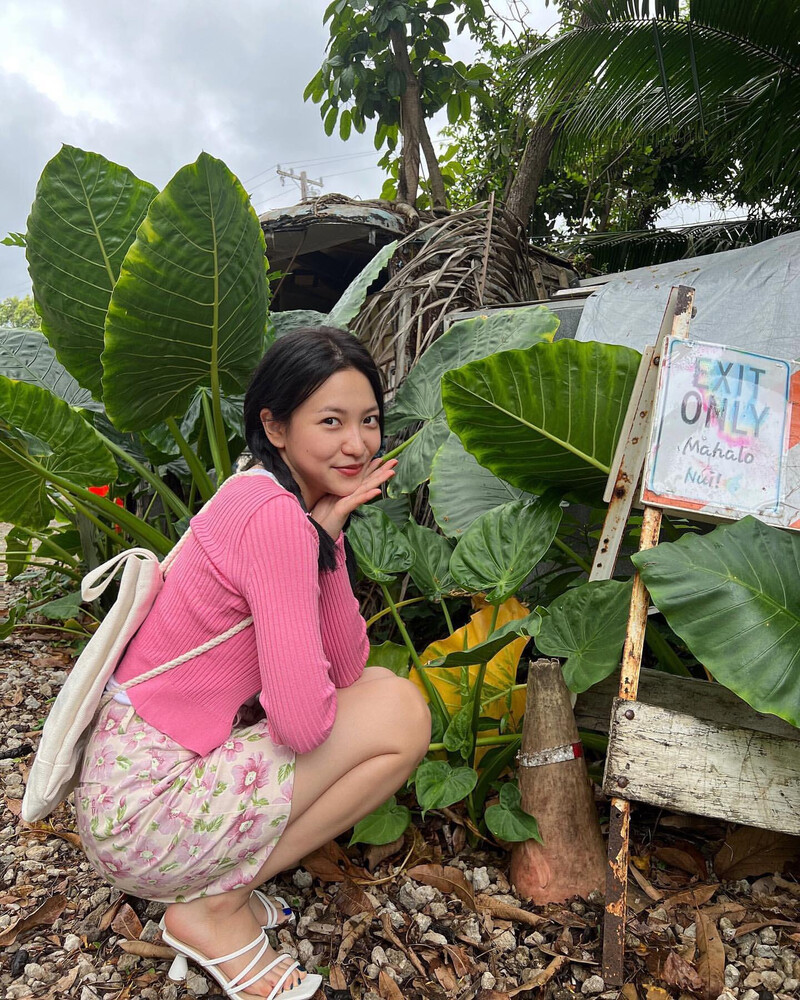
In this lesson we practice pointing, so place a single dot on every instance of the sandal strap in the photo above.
(235, 985)
(268, 968)
(262, 937)
(278, 987)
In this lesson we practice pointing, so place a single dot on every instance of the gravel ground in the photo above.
(390, 923)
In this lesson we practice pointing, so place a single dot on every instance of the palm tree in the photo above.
(724, 71)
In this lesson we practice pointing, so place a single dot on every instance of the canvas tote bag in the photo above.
(56, 767)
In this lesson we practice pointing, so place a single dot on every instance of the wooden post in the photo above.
(626, 468)
(619, 826)
(556, 790)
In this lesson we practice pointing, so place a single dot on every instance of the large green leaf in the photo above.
(25, 355)
(281, 323)
(545, 417)
(461, 489)
(352, 299)
(83, 220)
(484, 651)
(77, 453)
(191, 296)
(439, 785)
(587, 626)
(390, 655)
(734, 599)
(419, 398)
(379, 546)
(18, 552)
(431, 568)
(498, 551)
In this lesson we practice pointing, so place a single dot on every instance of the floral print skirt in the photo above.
(161, 822)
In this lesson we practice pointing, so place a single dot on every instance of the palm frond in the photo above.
(634, 78)
(475, 258)
(624, 251)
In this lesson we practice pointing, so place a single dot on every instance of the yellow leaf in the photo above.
(501, 671)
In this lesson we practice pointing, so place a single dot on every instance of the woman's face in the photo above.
(330, 438)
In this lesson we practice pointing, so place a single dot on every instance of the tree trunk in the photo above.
(572, 859)
(412, 123)
(438, 196)
(525, 187)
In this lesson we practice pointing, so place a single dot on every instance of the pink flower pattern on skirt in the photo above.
(164, 823)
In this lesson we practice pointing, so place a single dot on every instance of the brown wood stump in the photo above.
(572, 859)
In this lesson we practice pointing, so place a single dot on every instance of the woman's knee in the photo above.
(414, 716)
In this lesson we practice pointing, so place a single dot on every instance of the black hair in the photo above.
(293, 368)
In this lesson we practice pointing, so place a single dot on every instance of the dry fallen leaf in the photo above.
(462, 963)
(447, 879)
(336, 978)
(331, 864)
(144, 949)
(108, 917)
(62, 985)
(757, 925)
(543, 977)
(710, 956)
(506, 911)
(656, 993)
(127, 924)
(697, 896)
(628, 992)
(353, 929)
(50, 910)
(686, 858)
(678, 972)
(351, 899)
(750, 851)
(375, 853)
(388, 988)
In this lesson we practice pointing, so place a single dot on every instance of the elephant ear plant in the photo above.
(154, 310)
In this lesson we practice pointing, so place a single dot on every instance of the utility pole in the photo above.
(302, 179)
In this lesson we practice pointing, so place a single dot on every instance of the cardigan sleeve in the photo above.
(276, 571)
(344, 631)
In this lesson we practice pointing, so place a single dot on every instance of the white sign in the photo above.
(720, 433)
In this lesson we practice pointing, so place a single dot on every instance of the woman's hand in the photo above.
(331, 511)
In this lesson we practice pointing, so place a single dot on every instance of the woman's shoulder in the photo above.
(245, 495)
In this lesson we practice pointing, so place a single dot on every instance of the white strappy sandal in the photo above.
(304, 990)
(272, 912)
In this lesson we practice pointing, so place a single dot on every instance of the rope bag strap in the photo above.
(210, 644)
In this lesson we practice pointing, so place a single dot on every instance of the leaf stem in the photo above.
(170, 498)
(434, 697)
(120, 515)
(199, 475)
(447, 618)
(388, 611)
(483, 741)
(401, 447)
(573, 555)
(477, 689)
(212, 412)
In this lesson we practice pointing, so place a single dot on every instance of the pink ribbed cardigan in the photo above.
(252, 552)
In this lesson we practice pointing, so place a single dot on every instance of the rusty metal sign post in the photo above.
(623, 481)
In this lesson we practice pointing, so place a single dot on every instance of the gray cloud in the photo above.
(151, 85)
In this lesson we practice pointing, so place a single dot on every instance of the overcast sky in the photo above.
(151, 84)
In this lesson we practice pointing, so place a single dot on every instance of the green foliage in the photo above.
(500, 548)
(732, 596)
(382, 826)
(83, 220)
(419, 399)
(439, 785)
(587, 626)
(545, 417)
(508, 821)
(725, 74)
(194, 279)
(380, 547)
(19, 313)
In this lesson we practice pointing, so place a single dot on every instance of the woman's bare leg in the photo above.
(381, 731)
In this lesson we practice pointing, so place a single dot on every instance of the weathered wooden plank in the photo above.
(675, 760)
(703, 699)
